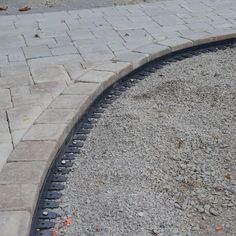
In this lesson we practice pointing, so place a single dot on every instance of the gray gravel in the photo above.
(57, 5)
(162, 160)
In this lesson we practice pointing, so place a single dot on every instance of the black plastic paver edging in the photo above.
(44, 218)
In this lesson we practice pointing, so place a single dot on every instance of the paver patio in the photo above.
(53, 66)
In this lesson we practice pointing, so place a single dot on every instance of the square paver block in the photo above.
(34, 151)
(36, 52)
(18, 197)
(103, 77)
(135, 58)
(14, 222)
(32, 172)
(5, 136)
(46, 73)
(57, 116)
(22, 117)
(15, 75)
(177, 43)
(78, 102)
(47, 132)
(120, 68)
(80, 88)
(154, 50)
(5, 101)
(6, 149)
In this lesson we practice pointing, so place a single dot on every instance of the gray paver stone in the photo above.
(47, 132)
(13, 222)
(78, 102)
(57, 116)
(103, 77)
(18, 197)
(177, 43)
(36, 52)
(32, 172)
(154, 50)
(136, 59)
(34, 151)
(81, 88)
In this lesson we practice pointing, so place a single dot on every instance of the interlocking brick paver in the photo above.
(70, 102)
(13, 222)
(14, 75)
(5, 101)
(6, 149)
(64, 50)
(34, 151)
(103, 77)
(46, 73)
(81, 88)
(120, 68)
(57, 116)
(23, 172)
(11, 40)
(21, 118)
(53, 65)
(18, 197)
(154, 50)
(4, 128)
(136, 59)
(46, 132)
(36, 52)
(177, 43)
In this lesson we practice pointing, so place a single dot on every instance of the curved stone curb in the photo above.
(22, 176)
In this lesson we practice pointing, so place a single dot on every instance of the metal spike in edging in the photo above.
(59, 178)
(81, 137)
(48, 215)
(50, 205)
(88, 125)
(53, 195)
(43, 219)
(43, 224)
(44, 233)
(62, 171)
(55, 187)
(68, 156)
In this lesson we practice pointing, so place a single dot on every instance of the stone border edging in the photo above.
(23, 175)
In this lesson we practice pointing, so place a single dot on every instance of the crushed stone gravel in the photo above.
(162, 160)
(60, 5)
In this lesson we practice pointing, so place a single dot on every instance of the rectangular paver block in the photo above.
(81, 88)
(154, 50)
(78, 102)
(177, 43)
(32, 172)
(120, 68)
(57, 116)
(36, 52)
(47, 132)
(16, 197)
(6, 149)
(15, 223)
(135, 58)
(103, 77)
(34, 151)
(47, 73)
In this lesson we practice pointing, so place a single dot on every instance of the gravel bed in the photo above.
(59, 5)
(162, 160)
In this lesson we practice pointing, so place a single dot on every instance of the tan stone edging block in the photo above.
(22, 176)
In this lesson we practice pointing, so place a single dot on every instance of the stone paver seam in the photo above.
(73, 42)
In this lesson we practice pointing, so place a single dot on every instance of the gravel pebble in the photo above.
(162, 159)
